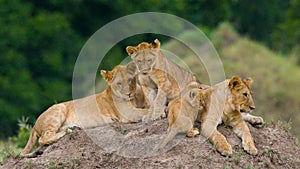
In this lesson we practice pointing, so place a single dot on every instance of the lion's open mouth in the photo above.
(243, 111)
(145, 71)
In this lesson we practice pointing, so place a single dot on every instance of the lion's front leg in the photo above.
(149, 96)
(159, 105)
(242, 130)
(254, 120)
(209, 123)
(220, 142)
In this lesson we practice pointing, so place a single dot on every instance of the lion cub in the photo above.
(226, 102)
(183, 113)
(161, 79)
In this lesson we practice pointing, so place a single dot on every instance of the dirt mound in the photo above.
(134, 146)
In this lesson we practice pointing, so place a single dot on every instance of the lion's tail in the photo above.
(31, 142)
(171, 134)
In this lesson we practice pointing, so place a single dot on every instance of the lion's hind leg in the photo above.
(46, 139)
(182, 125)
(52, 127)
(50, 137)
(45, 129)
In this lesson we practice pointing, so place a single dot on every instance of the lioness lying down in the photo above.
(234, 96)
(210, 106)
(113, 104)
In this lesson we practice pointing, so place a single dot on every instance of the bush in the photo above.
(23, 134)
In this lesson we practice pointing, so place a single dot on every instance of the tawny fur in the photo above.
(161, 79)
(113, 104)
(226, 102)
(182, 113)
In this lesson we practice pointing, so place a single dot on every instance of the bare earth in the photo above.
(134, 146)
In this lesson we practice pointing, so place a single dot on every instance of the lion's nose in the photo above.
(252, 107)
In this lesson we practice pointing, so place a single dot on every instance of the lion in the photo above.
(228, 102)
(183, 112)
(161, 79)
(115, 103)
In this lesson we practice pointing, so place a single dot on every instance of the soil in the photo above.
(135, 146)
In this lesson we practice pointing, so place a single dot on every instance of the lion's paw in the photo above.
(158, 114)
(225, 149)
(250, 148)
(257, 121)
(193, 132)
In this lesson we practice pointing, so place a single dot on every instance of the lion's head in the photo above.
(241, 94)
(194, 95)
(122, 80)
(144, 55)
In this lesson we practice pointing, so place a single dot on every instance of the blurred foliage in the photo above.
(276, 78)
(40, 41)
(287, 33)
(23, 133)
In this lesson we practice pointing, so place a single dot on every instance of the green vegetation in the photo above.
(8, 149)
(23, 134)
(40, 41)
(276, 91)
(14, 145)
(276, 78)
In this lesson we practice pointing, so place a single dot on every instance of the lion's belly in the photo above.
(86, 113)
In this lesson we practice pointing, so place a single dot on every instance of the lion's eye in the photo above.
(150, 60)
(245, 95)
(119, 84)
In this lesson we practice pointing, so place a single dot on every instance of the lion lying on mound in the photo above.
(161, 79)
(113, 104)
(234, 96)
(222, 102)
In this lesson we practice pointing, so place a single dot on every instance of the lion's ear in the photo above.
(131, 50)
(156, 44)
(107, 75)
(235, 82)
(192, 85)
(131, 68)
(248, 81)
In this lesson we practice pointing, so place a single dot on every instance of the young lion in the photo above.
(113, 104)
(161, 79)
(228, 99)
(183, 113)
